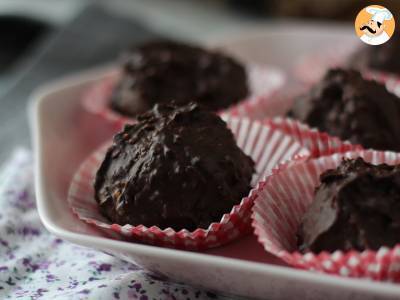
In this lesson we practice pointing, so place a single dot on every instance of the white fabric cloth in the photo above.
(37, 265)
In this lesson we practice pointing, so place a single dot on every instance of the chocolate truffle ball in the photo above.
(357, 206)
(344, 104)
(383, 57)
(159, 72)
(178, 167)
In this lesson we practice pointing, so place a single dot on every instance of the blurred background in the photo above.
(42, 40)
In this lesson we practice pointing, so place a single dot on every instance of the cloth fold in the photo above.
(37, 265)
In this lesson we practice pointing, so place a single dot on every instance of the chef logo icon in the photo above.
(374, 25)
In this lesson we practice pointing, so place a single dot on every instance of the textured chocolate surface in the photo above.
(159, 72)
(177, 167)
(357, 206)
(344, 104)
(383, 57)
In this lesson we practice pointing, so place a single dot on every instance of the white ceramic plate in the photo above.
(64, 134)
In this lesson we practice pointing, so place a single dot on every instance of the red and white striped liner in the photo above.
(281, 202)
(271, 110)
(268, 147)
(271, 105)
(263, 81)
(319, 143)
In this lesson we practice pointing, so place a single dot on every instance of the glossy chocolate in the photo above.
(178, 167)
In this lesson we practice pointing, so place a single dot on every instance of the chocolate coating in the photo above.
(383, 57)
(159, 72)
(357, 206)
(178, 167)
(344, 104)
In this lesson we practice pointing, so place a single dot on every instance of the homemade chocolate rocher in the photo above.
(346, 105)
(158, 72)
(178, 167)
(356, 207)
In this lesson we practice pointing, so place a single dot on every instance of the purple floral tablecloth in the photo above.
(37, 265)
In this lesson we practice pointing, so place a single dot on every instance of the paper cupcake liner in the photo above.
(263, 81)
(268, 147)
(269, 105)
(271, 110)
(318, 143)
(282, 201)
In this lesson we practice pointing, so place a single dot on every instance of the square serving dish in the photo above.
(64, 135)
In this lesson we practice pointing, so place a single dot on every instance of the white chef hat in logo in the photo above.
(379, 14)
